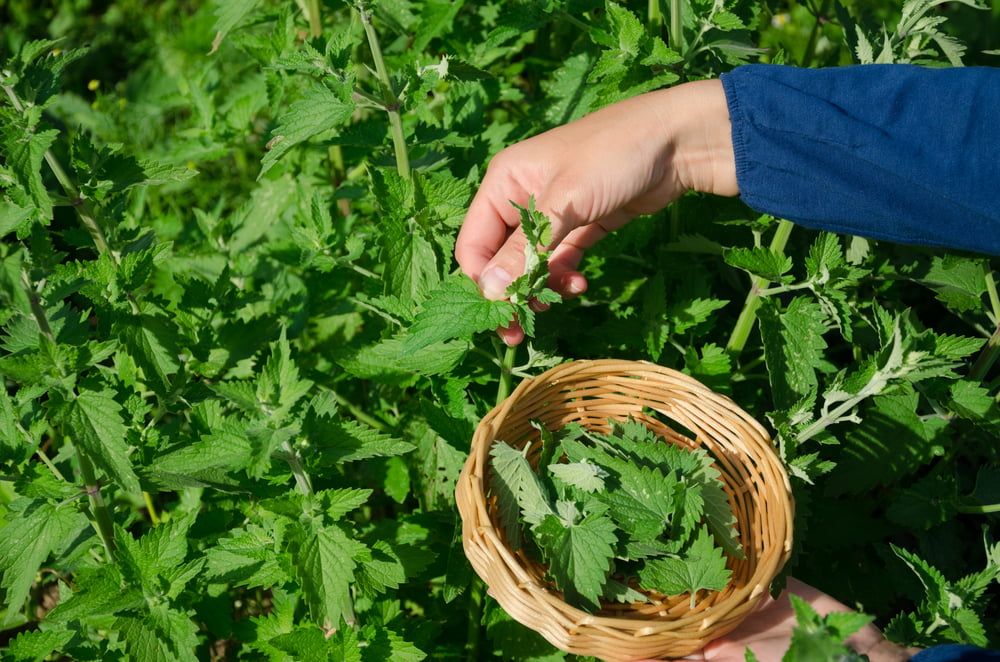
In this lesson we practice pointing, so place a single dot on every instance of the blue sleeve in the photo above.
(955, 653)
(895, 152)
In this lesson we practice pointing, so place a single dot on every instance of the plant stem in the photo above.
(988, 356)
(315, 27)
(676, 26)
(655, 14)
(675, 221)
(295, 462)
(154, 518)
(745, 322)
(81, 205)
(389, 98)
(47, 462)
(506, 374)
(991, 289)
(976, 509)
(477, 590)
(810, 50)
(359, 413)
(102, 516)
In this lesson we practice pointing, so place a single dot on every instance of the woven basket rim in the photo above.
(670, 628)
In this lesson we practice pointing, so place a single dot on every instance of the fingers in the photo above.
(506, 265)
(487, 224)
(511, 335)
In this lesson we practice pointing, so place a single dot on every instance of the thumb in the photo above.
(506, 265)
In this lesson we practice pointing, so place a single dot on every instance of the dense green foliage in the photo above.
(242, 374)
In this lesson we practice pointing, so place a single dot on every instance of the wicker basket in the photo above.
(589, 393)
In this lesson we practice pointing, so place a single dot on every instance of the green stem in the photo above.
(810, 50)
(991, 288)
(302, 480)
(676, 26)
(506, 373)
(315, 27)
(655, 14)
(782, 289)
(575, 21)
(46, 461)
(477, 591)
(390, 100)
(81, 205)
(360, 414)
(991, 351)
(987, 357)
(102, 516)
(744, 324)
(976, 509)
(154, 518)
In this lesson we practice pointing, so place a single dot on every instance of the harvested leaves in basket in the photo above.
(612, 513)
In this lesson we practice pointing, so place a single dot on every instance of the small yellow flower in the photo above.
(93, 85)
(780, 20)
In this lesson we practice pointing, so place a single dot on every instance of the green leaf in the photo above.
(159, 635)
(151, 342)
(38, 645)
(24, 154)
(390, 361)
(349, 441)
(816, 638)
(37, 530)
(247, 557)
(703, 568)
(456, 309)
(319, 110)
(959, 282)
(518, 490)
(279, 386)
(793, 347)
(763, 262)
(579, 555)
(581, 475)
(95, 422)
(325, 566)
(13, 217)
(229, 15)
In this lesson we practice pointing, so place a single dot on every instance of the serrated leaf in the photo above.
(152, 343)
(518, 490)
(38, 645)
(703, 568)
(456, 309)
(793, 347)
(28, 539)
(582, 475)
(579, 555)
(763, 262)
(228, 15)
(95, 422)
(325, 567)
(320, 109)
(350, 441)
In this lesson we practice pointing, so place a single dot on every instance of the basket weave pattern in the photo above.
(590, 393)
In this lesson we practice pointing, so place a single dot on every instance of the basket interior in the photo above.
(592, 407)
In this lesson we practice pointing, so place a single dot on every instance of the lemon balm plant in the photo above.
(241, 374)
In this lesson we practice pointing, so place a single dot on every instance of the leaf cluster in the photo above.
(616, 516)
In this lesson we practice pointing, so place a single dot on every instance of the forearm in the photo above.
(886, 151)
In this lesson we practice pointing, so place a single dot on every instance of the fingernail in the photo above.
(494, 283)
(576, 286)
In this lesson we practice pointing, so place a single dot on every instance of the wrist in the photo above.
(696, 117)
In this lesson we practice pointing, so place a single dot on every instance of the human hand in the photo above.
(768, 631)
(593, 176)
